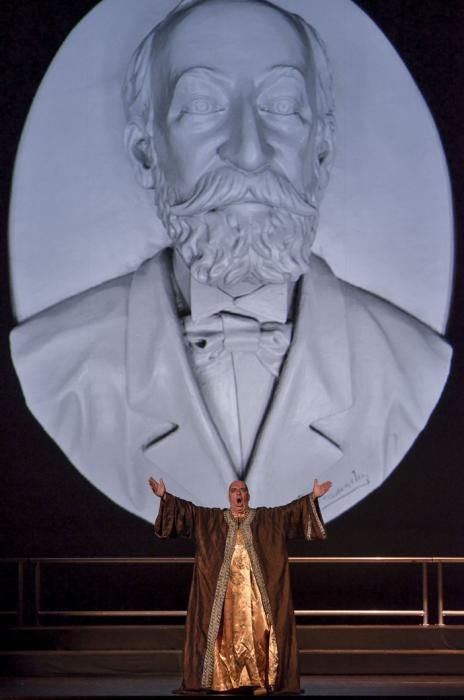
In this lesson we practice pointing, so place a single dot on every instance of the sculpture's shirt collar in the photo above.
(267, 303)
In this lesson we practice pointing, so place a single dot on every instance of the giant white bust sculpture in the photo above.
(235, 352)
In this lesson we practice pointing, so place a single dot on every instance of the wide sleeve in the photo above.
(176, 517)
(302, 518)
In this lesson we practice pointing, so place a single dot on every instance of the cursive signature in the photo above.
(357, 481)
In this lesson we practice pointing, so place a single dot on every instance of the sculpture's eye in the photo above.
(282, 106)
(203, 105)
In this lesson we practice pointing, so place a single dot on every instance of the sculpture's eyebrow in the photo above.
(282, 71)
(204, 72)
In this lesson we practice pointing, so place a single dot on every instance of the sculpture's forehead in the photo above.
(232, 37)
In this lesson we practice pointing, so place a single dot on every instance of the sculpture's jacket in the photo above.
(265, 532)
(107, 375)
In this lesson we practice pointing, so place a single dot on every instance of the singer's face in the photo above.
(238, 496)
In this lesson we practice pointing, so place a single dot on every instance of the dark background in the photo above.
(49, 509)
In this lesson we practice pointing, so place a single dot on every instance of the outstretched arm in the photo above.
(302, 518)
(176, 517)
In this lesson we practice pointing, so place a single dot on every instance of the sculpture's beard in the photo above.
(235, 228)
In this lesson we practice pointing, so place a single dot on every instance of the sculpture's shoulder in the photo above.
(99, 308)
(54, 343)
(393, 368)
(82, 341)
(379, 332)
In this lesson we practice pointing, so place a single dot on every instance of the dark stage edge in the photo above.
(131, 687)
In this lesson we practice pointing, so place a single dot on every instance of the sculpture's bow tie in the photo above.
(213, 338)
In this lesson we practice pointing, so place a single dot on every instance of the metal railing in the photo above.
(38, 564)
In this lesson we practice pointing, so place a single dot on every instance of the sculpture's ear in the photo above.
(325, 152)
(141, 153)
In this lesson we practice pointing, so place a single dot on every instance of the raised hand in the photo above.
(158, 487)
(321, 489)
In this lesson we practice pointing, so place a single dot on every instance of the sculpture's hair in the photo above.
(137, 89)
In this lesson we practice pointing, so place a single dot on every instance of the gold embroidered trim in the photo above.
(221, 586)
(316, 518)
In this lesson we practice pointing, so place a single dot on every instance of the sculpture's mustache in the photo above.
(227, 186)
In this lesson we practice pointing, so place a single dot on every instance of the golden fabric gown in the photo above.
(245, 653)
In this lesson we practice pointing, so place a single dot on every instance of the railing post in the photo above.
(440, 594)
(36, 592)
(20, 611)
(425, 594)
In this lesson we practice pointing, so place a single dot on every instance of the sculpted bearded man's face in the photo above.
(234, 147)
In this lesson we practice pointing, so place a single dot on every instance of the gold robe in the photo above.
(265, 532)
(245, 653)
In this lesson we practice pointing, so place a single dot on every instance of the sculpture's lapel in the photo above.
(182, 438)
(303, 431)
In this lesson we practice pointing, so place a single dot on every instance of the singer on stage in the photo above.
(240, 628)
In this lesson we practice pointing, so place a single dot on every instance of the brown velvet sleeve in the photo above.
(176, 518)
(302, 518)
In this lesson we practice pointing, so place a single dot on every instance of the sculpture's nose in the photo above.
(246, 147)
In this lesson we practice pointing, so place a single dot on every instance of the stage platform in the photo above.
(145, 650)
(105, 661)
(136, 687)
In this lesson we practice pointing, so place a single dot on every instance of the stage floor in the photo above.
(131, 687)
